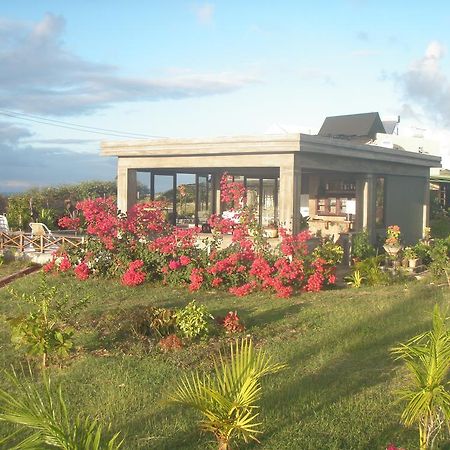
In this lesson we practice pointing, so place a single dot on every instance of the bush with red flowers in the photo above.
(141, 246)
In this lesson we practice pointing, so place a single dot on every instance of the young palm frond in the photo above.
(427, 357)
(228, 401)
(46, 416)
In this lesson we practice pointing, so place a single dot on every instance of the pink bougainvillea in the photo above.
(82, 271)
(134, 275)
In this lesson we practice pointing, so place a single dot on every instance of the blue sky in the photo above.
(183, 68)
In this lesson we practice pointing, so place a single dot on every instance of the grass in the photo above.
(338, 392)
(10, 267)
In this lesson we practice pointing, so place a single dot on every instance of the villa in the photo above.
(335, 179)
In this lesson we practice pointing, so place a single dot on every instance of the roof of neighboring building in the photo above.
(352, 125)
(389, 126)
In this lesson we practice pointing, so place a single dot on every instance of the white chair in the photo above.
(4, 227)
(39, 229)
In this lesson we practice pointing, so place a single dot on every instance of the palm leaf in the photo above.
(228, 401)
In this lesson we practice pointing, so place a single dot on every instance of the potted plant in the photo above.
(392, 243)
(271, 230)
(412, 257)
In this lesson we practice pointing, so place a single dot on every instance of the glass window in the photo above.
(253, 195)
(143, 185)
(205, 199)
(185, 199)
(164, 192)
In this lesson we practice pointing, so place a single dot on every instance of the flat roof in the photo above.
(289, 143)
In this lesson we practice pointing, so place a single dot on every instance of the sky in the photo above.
(199, 69)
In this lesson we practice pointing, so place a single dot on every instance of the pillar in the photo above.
(126, 188)
(426, 206)
(366, 205)
(289, 196)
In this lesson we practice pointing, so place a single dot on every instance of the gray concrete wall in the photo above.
(405, 199)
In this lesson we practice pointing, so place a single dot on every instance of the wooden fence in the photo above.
(27, 242)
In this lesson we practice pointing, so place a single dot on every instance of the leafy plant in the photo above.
(329, 251)
(161, 321)
(409, 253)
(46, 415)
(192, 320)
(355, 279)
(228, 401)
(439, 257)
(45, 330)
(371, 271)
(2, 260)
(361, 246)
(427, 358)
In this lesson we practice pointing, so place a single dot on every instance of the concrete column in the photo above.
(126, 188)
(426, 206)
(366, 209)
(289, 196)
(215, 185)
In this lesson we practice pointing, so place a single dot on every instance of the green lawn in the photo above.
(10, 267)
(338, 392)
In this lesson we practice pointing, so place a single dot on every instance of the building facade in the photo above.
(339, 185)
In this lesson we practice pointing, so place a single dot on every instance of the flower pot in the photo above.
(270, 232)
(414, 262)
(392, 250)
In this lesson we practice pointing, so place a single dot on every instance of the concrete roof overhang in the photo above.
(265, 145)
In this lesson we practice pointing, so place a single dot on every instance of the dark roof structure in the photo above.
(353, 126)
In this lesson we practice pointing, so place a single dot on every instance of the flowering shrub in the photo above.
(82, 271)
(69, 223)
(141, 245)
(134, 275)
(393, 235)
(232, 323)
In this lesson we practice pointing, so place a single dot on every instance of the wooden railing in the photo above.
(27, 242)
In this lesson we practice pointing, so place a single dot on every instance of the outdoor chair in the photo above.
(4, 227)
(39, 229)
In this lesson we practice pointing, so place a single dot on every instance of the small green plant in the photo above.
(332, 253)
(45, 414)
(44, 331)
(370, 270)
(192, 320)
(409, 253)
(440, 261)
(229, 401)
(361, 246)
(355, 279)
(2, 260)
(427, 358)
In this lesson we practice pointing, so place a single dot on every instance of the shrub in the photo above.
(45, 330)
(192, 320)
(439, 252)
(232, 323)
(370, 270)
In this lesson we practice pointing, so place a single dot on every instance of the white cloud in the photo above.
(204, 13)
(427, 86)
(38, 74)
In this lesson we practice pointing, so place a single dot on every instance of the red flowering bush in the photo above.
(141, 245)
(69, 223)
(82, 271)
(134, 275)
(232, 323)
